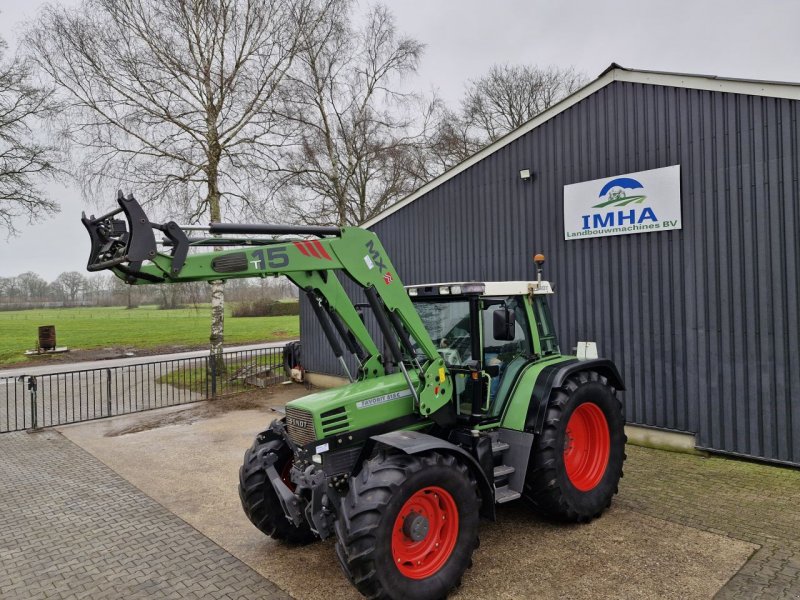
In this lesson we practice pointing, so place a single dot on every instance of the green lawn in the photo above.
(231, 381)
(144, 327)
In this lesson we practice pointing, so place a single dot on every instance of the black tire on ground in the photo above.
(259, 500)
(369, 514)
(548, 486)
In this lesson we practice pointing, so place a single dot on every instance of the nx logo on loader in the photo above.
(374, 257)
(623, 207)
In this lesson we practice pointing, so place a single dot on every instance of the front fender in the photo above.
(416, 442)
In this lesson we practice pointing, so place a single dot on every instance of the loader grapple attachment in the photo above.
(124, 244)
(112, 244)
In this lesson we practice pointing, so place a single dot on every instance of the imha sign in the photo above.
(634, 203)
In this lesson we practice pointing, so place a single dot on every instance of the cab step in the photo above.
(504, 494)
(499, 447)
(501, 471)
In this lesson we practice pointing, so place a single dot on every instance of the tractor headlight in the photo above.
(455, 290)
(444, 290)
(413, 291)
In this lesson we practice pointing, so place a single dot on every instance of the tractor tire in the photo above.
(259, 500)
(576, 462)
(386, 539)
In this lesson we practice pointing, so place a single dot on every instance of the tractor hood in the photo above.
(349, 408)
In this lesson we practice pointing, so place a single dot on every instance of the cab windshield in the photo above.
(447, 322)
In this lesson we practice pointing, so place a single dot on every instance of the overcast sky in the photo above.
(465, 37)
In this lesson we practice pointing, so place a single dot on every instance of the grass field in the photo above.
(146, 327)
(194, 377)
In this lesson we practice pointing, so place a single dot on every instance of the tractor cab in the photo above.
(486, 332)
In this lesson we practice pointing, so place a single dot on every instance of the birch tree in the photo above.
(175, 99)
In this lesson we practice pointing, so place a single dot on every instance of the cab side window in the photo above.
(504, 350)
(507, 356)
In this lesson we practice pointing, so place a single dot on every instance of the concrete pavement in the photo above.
(625, 554)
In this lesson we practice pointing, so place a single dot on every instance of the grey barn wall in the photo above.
(703, 321)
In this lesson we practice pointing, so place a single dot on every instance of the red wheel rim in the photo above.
(421, 558)
(587, 446)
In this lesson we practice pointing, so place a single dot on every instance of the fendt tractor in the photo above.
(472, 404)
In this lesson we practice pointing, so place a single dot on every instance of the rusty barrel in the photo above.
(47, 337)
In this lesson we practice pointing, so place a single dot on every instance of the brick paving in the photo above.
(743, 500)
(72, 528)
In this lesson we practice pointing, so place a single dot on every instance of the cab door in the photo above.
(507, 346)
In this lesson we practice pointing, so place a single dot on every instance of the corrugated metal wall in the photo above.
(703, 321)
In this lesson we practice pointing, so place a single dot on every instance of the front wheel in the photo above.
(576, 462)
(258, 498)
(408, 526)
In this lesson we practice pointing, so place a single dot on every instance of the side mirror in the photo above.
(503, 321)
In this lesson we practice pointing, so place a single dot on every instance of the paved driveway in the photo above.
(739, 499)
(71, 528)
(681, 527)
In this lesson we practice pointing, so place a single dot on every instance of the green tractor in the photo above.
(472, 404)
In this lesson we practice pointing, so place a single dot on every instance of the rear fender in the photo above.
(415, 442)
(554, 376)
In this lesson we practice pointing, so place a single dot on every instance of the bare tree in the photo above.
(32, 286)
(10, 288)
(94, 289)
(449, 140)
(69, 285)
(24, 160)
(509, 96)
(354, 130)
(121, 293)
(175, 98)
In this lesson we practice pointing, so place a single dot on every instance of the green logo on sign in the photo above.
(617, 195)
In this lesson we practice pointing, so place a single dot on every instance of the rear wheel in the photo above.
(408, 526)
(576, 462)
(259, 500)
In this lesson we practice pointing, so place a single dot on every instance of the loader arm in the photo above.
(129, 249)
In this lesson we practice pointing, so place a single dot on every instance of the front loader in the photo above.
(471, 405)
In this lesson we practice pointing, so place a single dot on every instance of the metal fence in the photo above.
(33, 401)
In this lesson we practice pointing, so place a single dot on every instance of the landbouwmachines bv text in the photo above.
(472, 404)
